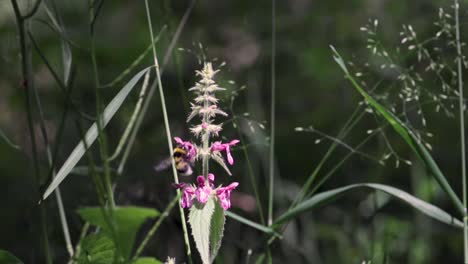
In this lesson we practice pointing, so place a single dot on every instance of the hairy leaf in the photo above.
(200, 222)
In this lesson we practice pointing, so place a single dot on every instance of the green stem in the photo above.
(27, 84)
(462, 128)
(156, 225)
(272, 112)
(101, 135)
(168, 131)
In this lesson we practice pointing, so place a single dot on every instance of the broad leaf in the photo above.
(325, 197)
(407, 134)
(147, 260)
(92, 133)
(96, 249)
(8, 258)
(200, 222)
(216, 229)
(126, 223)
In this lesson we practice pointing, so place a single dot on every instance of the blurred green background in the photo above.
(361, 226)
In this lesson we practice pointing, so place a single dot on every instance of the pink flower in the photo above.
(224, 194)
(218, 146)
(203, 191)
(188, 146)
(187, 196)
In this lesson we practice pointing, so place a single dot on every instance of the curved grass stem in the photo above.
(168, 130)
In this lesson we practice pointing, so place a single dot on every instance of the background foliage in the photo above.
(311, 90)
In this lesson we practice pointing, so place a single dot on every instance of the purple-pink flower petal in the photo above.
(203, 194)
(218, 146)
(224, 195)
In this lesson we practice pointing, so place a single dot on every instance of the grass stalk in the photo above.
(50, 160)
(272, 113)
(152, 89)
(27, 84)
(101, 135)
(156, 225)
(462, 127)
(168, 131)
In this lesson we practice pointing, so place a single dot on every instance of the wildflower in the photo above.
(204, 191)
(218, 146)
(224, 195)
(188, 193)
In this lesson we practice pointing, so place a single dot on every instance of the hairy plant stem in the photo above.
(462, 128)
(27, 84)
(168, 131)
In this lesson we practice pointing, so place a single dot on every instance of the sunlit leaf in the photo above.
(200, 222)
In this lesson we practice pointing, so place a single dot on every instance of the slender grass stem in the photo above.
(168, 130)
(50, 159)
(139, 121)
(272, 113)
(462, 128)
(27, 84)
(156, 225)
(101, 135)
(131, 123)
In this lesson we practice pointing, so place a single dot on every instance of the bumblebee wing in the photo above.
(164, 164)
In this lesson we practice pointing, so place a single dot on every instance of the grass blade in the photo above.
(8, 141)
(92, 133)
(250, 223)
(407, 134)
(328, 196)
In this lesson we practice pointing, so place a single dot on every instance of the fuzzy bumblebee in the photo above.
(182, 159)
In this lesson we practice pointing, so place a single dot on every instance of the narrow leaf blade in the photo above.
(92, 133)
(328, 196)
(407, 134)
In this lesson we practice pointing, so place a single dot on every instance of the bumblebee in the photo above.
(182, 163)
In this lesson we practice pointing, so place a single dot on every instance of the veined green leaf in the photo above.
(216, 229)
(96, 249)
(407, 134)
(127, 221)
(200, 222)
(327, 196)
(8, 258)
(92, 133)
